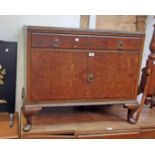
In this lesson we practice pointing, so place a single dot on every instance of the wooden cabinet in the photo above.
(74, 67)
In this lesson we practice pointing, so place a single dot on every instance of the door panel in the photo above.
(57, 75)
(114, 75)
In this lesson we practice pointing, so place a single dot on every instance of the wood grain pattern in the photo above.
(64, 75)
(61, 75)
(113, 73)
(126, 135)
(43, 40)
(75, 65)
(58, 30)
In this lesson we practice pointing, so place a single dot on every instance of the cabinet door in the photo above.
(113, 75)
(57, 75)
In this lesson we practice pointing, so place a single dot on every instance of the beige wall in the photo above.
(130, 23)
(120, 23)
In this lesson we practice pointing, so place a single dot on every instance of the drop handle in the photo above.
(90, 77)
(55, 43)
(120, 45)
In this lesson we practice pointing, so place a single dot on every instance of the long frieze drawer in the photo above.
(147, 133)
(62, 41)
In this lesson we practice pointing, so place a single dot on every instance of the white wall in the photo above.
(11, 29)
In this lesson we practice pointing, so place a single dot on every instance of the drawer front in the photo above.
(62, 41)
(46, 136)
(126, 135)
(147, 134)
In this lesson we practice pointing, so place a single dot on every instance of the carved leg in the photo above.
(28, 112)
(28, 125)
(11, 115)
(131, 110)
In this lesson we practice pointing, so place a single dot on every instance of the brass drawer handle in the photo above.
(55, 43)
(90, 77)
(120, 45)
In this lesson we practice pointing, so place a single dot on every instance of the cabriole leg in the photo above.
(28, 115)
(28, 125)
(132, 108)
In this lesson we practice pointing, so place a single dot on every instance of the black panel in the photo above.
(8, 59)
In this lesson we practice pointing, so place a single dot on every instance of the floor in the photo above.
(82, 122)
(90, 122)
(5, 130)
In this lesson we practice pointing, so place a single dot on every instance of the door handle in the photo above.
(90, 77)
(120, 45)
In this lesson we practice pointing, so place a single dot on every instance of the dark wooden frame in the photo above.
(151, 66)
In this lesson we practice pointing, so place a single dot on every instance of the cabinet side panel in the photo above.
(28, 62)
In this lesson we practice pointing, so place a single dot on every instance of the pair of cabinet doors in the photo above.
(83, 74)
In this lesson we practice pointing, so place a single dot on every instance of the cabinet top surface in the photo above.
(41, 29)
